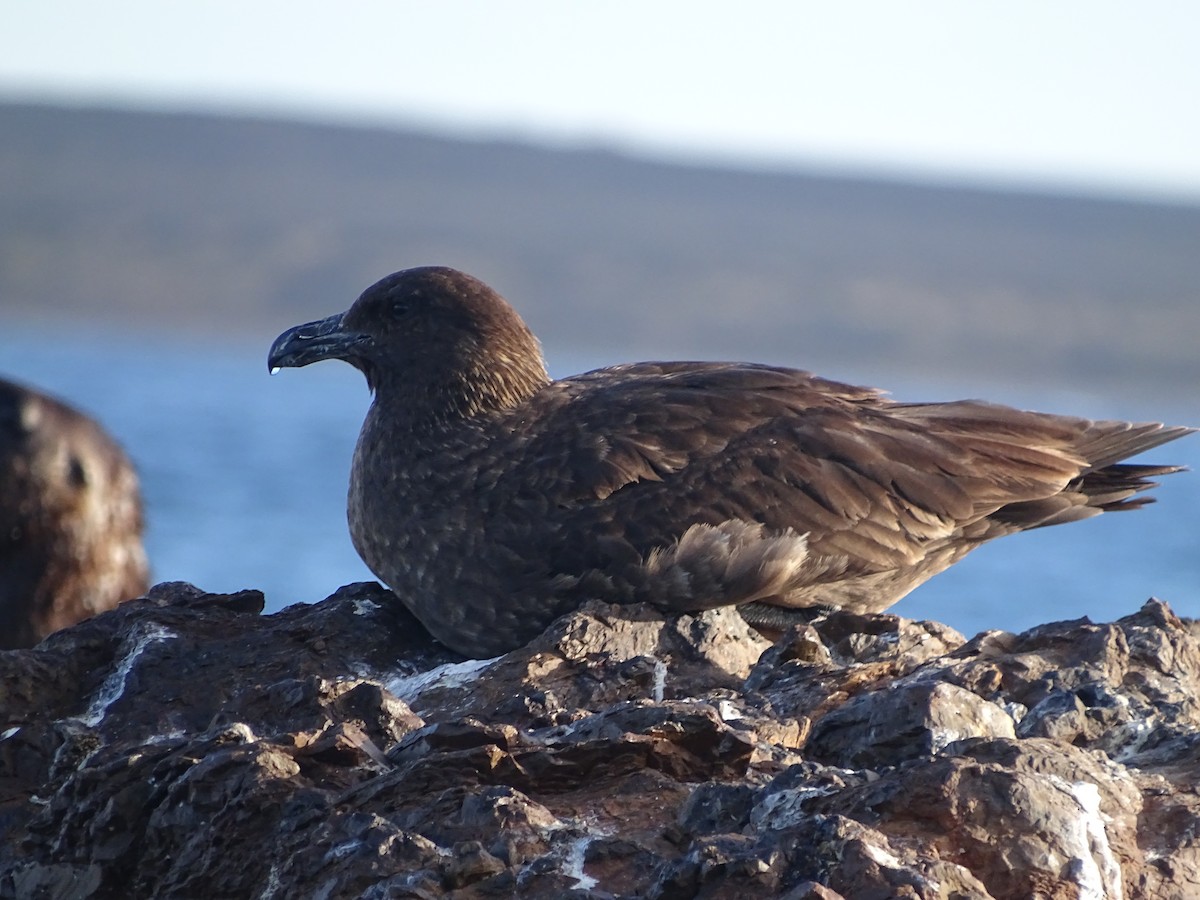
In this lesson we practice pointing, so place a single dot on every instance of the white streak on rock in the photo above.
(728, 712)
(451, 675)
(1094, 867)
(173, 735)
(574, 860)
(273, 884)
(1088, 796)
(240, 730)
(114, 685)
(660, 680)
(364, 607)
(882, 857)
(342, 850)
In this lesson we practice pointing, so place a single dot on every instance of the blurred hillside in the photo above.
(228, 226)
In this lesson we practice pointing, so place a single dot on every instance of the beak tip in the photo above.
(308, 343)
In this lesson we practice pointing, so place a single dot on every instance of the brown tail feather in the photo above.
(1114, 487)
(1111, 489)
(1107, 442)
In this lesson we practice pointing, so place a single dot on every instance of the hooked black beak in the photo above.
(313, 341)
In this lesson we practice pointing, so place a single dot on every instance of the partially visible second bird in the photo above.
(70, 518)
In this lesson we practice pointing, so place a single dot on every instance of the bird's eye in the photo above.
(402, 306)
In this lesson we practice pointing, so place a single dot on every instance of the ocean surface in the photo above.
(244, 477)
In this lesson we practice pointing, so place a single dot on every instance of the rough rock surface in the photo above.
(183, 745)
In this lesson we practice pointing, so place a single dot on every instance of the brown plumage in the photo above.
(70, 518)
(492, 499)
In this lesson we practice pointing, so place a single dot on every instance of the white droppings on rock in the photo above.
(241, 731)
(573, 863)
(660, 680)
(1093, 866)
(174, 734)
(450, 675)
(114, 685)
(364, 607)
(273, 885)
(342, 850)
(1096, 822)
(882, 857)
(728, 712)
(579, 834)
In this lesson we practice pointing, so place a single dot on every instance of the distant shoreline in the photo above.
(215, 227)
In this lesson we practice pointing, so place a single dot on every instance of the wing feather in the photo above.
(640, 453)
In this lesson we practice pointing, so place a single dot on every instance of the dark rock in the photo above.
(717, 808)
(184, 745)
(903, 721)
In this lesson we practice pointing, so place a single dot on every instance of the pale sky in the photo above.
(1090, 94)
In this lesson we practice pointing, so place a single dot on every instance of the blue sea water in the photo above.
(244, 478)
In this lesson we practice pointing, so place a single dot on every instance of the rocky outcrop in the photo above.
(183, 745)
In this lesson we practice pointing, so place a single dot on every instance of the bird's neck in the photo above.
(423, 404)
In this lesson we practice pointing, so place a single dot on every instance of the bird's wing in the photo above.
(648, 450)
(605, 430)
